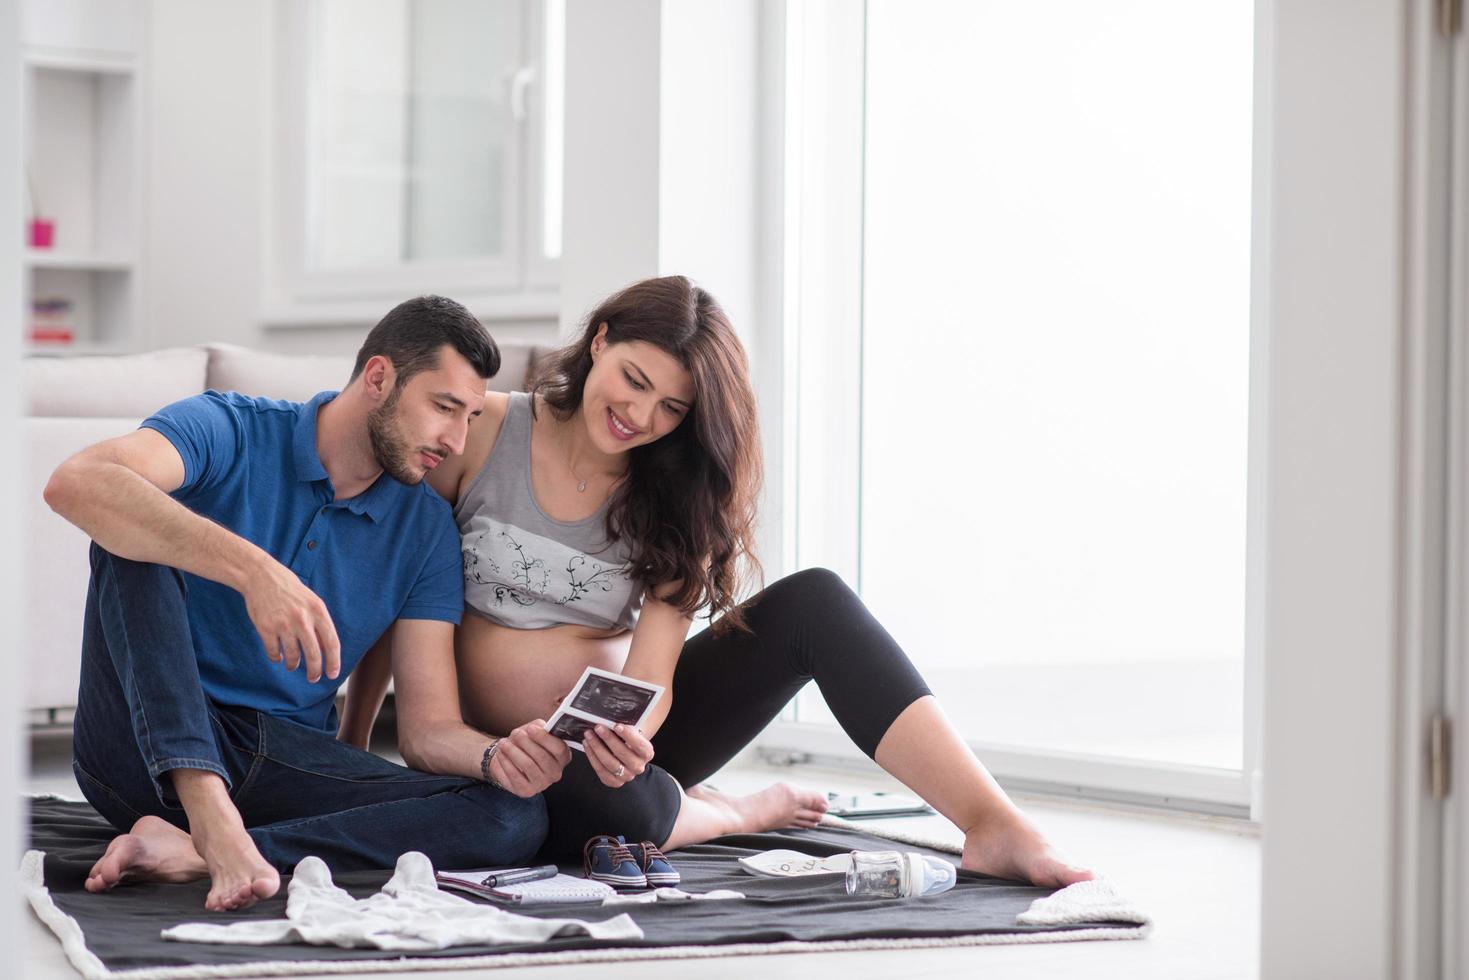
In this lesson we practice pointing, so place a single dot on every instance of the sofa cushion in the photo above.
(112, 386)
(296, 377)
(57, 568)
(515, 367)
(293, 377)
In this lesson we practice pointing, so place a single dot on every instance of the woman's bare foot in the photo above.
(778, 805)
(1014, 849)
(156, 850)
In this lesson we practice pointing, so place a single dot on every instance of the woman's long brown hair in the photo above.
(687, 505)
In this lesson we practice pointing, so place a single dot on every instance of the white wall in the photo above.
(662, 151)
(610, 202)
(205, 149)
(11, 478)
(708, 153)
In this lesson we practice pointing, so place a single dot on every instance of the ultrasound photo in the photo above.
(571, 729)
(607, 697)
(601, 697)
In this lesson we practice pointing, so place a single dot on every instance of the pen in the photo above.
(517, 876)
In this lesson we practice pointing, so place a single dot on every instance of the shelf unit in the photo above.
(82, 86)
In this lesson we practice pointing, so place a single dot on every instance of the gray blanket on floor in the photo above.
(122, 928)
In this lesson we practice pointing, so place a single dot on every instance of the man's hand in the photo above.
(529, 759)
(292, 621)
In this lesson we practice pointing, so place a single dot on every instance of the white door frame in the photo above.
(12, 479)
(1453, 858)
(1356, 503)
(1432, 511)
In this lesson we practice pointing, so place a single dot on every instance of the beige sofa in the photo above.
(72, 402)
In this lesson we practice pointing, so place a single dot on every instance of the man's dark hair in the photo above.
(414, 331)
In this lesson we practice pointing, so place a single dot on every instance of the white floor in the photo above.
(1199, 877)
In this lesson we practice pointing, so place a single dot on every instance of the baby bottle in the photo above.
(898, 874)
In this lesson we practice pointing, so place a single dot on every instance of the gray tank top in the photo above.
(527, 570)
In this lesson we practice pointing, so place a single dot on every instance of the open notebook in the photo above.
(562, 889)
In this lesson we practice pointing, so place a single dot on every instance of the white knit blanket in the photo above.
(1085, 901)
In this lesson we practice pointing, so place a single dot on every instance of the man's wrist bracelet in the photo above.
(484, 764)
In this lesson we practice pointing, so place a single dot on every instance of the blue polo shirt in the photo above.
(389, 553)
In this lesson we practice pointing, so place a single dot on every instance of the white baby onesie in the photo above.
(409, 914)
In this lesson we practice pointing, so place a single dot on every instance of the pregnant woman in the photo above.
(598, 515)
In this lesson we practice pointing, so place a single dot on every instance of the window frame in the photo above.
(521, 283)
(825, 45)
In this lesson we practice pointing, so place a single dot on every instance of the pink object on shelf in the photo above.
(52, 335)
(43, 232)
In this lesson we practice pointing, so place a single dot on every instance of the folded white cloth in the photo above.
(409, 914)
(671, 895)
(794, 864)
(1085, 901)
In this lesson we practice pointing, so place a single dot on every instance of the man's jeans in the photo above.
(141, 712)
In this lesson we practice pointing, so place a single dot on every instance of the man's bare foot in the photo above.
(156, 850)
(1015, 850)
(778, 805)
(238, 875)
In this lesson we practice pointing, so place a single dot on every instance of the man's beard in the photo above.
(389, 447)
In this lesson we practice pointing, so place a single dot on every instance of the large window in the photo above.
(1052, 375)
(423, 146)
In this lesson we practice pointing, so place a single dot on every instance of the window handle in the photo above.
(1450, 13)
(519, 82)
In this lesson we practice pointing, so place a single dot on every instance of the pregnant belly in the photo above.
(508, 677)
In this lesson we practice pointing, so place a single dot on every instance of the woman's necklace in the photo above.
(581, 484)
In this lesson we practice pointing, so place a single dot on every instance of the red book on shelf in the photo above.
(51, 335)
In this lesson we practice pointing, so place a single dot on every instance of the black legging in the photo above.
(727, 688)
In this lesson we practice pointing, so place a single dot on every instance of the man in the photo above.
(238, 539)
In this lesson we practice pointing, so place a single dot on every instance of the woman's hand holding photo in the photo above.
(618, 755)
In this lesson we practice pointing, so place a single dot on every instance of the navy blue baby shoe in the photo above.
(608, 859)
(654, 865)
